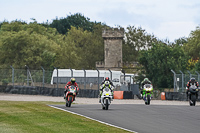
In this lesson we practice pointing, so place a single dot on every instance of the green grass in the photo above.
(38, 117)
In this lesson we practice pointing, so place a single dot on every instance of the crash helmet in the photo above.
(107, 79)
(73, 80)
(192, 80)
(146, 79)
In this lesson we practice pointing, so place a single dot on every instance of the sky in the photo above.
(165, 19)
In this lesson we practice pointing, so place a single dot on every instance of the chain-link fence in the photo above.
(181, 79)
(86, 79)
(25, 77)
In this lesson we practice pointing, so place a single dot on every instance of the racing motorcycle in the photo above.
(193, 93)
(147, 91)
(70, 95)
(106, 97)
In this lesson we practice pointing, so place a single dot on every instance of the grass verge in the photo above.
(38, 117)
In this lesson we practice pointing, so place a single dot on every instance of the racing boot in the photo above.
(141, 96)
(99, 96)
(65, 94)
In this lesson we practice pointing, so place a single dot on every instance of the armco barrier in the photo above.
(30, 90)
(34, 90)
(180, 96)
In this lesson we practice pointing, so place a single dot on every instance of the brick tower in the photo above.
(112, 49)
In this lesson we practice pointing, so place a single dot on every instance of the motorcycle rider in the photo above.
(72, 82)
(105, 83)
(192, 81)
(107, 79)
(145, 81)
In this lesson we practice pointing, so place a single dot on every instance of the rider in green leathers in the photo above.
(145, 81)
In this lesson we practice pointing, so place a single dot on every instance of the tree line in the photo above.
(76, 42)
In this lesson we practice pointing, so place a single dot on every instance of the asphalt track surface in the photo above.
(143, 118)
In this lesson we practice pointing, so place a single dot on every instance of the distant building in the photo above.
(113, 38)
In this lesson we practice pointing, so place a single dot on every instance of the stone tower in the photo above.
(112, 49)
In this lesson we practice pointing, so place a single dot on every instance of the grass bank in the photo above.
(38, 117)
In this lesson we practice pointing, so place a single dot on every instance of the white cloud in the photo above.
(166, 19)
(174, 30)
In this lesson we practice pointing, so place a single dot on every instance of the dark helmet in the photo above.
(192, 80)
(107, 79)
(73, 80)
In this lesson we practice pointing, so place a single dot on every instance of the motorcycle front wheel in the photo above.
(106, 104)
(70, 101)
(148, 99)
(193, 100)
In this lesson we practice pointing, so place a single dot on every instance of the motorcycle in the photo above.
(148, 88)
(192, 93)
(70, 95)
(106, 98)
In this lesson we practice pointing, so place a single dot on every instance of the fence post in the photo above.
(84, 78)
(198, 75)
(182, 80)
(43, 76)
(27, 69)
(13, 73)
(71, 72)
(174, 79)
(190, 74)
(110, 74)
(57, 81)
(123, 71)
(98, 79)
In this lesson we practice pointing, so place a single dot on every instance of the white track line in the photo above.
(93, 119)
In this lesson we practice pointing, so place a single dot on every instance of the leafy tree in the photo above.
(192, 47)
(181, 41)
(158, 62)
(135, 40)
(77, 20)
(89, 48)
(32, 45)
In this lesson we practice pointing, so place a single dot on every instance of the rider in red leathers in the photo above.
(72, 82)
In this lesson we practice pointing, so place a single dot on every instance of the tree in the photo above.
(33, 45)
(89, 47)
(77, 20)
(158, 62)
(135, 40)
(192, 47)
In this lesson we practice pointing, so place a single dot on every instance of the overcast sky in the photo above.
(166, 19)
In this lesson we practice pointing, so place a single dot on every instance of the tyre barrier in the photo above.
(123, 95)
(163, 96)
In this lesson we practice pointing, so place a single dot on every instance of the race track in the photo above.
(143, 118)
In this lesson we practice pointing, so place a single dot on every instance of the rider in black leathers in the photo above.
(192, 81)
